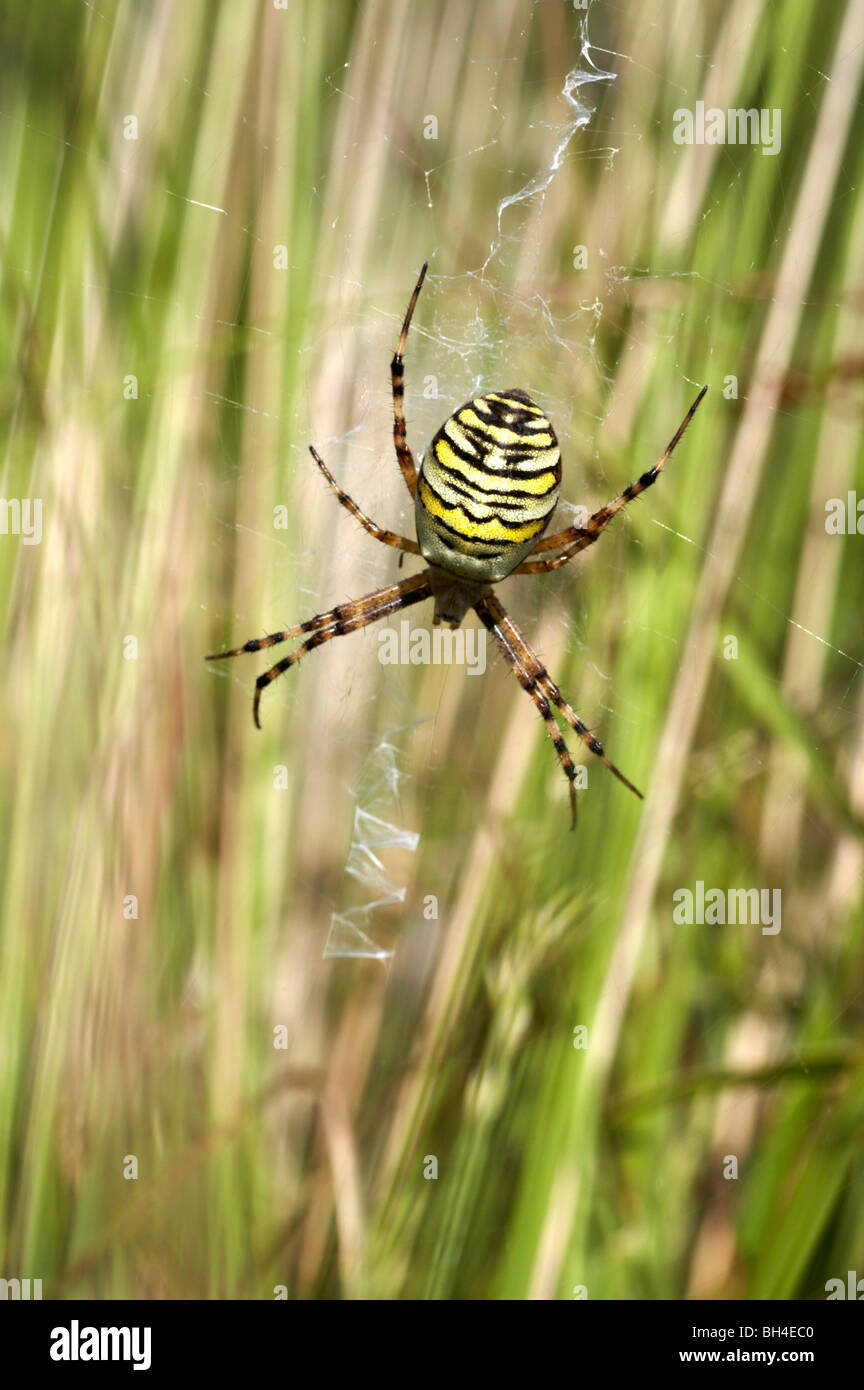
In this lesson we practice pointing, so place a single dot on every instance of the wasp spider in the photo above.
(483, 496)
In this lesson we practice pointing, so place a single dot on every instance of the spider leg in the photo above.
(344, 618)
(258, 644)
(535, 679)
(584, 733)
(397, 377)
(577, 538)
(526, 667)
(380, 534)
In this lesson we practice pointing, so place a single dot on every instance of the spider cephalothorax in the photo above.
(483, 497)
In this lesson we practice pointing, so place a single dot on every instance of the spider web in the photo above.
(497, 316)
(496, 323)
(459, 352)
(379, 788)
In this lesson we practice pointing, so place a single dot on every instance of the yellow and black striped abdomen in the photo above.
(488, 485)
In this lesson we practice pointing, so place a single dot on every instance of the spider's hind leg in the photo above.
(397, 378)
(577, 538)
(379, 532)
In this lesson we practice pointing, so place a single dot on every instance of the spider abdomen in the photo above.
(488, 485)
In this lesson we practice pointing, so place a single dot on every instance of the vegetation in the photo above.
(213, 216)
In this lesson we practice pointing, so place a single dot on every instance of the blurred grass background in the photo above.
(170, 878)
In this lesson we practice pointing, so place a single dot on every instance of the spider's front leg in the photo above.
(336, 622)
(536, 681)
